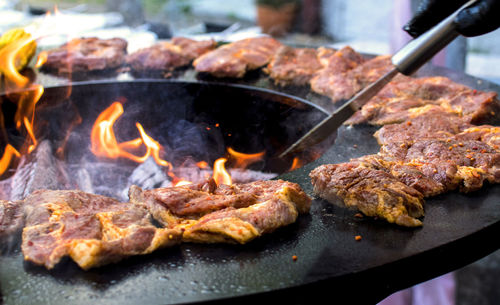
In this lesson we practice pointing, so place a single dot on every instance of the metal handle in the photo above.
(421, 49)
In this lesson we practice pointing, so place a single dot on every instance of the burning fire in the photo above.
(41, 59)
(221, 176)
(8, 154)
(15, 54)
(296, 163)
(244, 160)
(105, 144)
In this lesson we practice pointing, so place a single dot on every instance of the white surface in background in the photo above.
(4, 4)
(11, 18)
(240, 9)
(357, 19)
(137, 39)
(375, 47)
(483, 65)
(231, 34)
(56, 29)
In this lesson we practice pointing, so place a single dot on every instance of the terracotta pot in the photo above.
(276, 21)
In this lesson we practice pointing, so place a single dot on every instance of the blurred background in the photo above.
(372, 27)
(368, 26)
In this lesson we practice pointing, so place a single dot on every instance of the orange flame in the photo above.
(153, 147)
(104, 143)
(8, 60)
(221, 176)
(41, 59)
(29, 129)
(26, 105)
(20, 90)
(8, 154)
(296, 163)
(183, 182)
(202, 164)
(244, 160)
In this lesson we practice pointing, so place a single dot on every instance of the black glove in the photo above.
(479, 18)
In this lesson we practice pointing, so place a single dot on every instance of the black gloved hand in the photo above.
(480, 18)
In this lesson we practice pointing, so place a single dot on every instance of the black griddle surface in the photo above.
(331, 265)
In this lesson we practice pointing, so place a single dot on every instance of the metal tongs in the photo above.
(406, 61)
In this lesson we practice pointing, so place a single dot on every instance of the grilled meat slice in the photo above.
(478, 106)
(11, 218)
(430, 122)
(238, 213)
(235, 59)
(164, 56)
(405, 98)
(193, 48)
(325, 55)
(344, 85)
(82, 55)
(451, 163)
(293, 66)
(484, 133)
(361, 185)
(93, 230)
(334, 68)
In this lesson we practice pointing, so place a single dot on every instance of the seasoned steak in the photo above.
(93, 230)
(334, 68)
(164, 56)
(293, 66)
(344, 85)
(453, 164)
(478, 106)
(430, 122)
(407, 97)
(361, 185)
(325, 55)
(82, 55)
(484, 133)
(235, 59)
(238, 213)
(11, 218)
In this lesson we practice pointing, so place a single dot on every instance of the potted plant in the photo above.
(275, 17)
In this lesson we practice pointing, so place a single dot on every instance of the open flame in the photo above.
(8, 154)
(244, 160)
(104, 144)
(14, 56)
(221, 176)
(103, 139)
(41, 59)
(296, 163)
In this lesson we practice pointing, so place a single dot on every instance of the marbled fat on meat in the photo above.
(237, 213)
(167, 56)
(235, 59)
(81, 55)
(360, 185)
(293, 66)
(93, 230)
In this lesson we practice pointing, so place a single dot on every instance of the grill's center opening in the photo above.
(104, 137)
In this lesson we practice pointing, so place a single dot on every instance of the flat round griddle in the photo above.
(330, 264)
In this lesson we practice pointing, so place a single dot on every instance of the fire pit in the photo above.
(194, 123)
